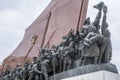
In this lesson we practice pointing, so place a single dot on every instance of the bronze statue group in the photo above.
(89, 45)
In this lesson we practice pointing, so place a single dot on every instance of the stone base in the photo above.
(85, 70)
(100, 75)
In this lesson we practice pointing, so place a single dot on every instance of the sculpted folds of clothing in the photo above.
(92, 51)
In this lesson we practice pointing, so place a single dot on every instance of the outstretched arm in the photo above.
(104, 19)
(98, 17)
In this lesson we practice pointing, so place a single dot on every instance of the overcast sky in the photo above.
(17, 15)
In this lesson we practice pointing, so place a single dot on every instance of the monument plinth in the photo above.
(99, 75)
(83, 70)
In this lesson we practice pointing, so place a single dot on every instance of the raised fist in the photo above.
(99, 6)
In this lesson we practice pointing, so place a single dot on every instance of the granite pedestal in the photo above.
(99, 75)
(85, 70)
